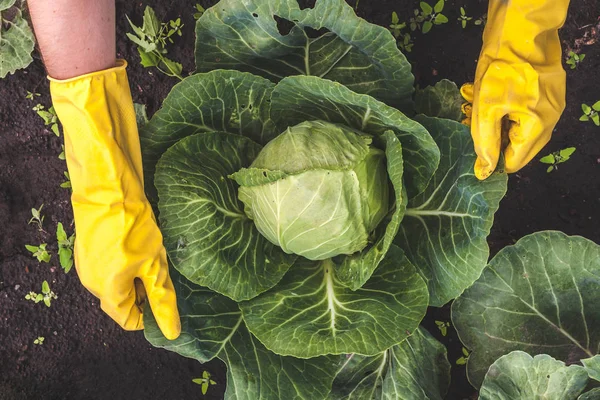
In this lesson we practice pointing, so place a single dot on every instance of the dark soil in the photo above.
(87, 356)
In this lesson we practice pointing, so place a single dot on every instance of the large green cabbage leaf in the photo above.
(244, 35)
(445, 228)
(212, 326)
(16, 41)
(539, 296)
(517, 375)
(416, 369)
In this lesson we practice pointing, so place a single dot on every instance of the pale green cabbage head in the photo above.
(317, 190)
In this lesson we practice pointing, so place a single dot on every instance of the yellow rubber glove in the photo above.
(519, 75)
(118, 241)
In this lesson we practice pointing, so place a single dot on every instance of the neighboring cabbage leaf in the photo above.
(540, 296)
(593, 394)
(443, 100)
(310, 313)
(244, 35)
(212, 326)
(226, 101)
(416, 369)
(208, 237)
(592, 366)
(517, 375)
(445, 228)
(16, 42)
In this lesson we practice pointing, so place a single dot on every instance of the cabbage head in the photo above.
(317, 190)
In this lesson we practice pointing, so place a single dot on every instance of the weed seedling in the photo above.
(31, 95)
(67, 183)
(443, 327)
(62, 156)
(428, 16)
(65, 248)
(199, 11)
(39, 252)
(151, 39)
(46, 296)
(49, 117)
(557, 157)
(591, 113)
(37, 218)
(205, 381)
(481, 21)
(574, 59)
(39, 340)
(396, 26)
(464, 18)
(465, 357)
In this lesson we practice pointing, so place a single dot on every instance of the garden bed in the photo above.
(86, 355)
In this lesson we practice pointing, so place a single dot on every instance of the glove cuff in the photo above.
(120, 65)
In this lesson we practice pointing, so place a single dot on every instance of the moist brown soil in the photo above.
(87, 356)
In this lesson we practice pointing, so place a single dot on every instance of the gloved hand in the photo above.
(519, 75)
(119, 253)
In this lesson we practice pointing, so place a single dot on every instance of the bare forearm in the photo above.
(75, 36)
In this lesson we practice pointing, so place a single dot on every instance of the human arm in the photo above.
(520, 76)
(119, 254)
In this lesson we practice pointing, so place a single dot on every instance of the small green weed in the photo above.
(481, 21)
(67, 183)
(199, 11)
(39, 252)
(396, 26)
(46, 296)
(557, 157)
(39, 340)
(65, 248)
(205, 381)
(574, 59)
(49, 116)
(464, 18)
(443, 327)
(31, 95)
(428, 16)
(62, 156)
(152, 38)
(591, 113)
(465, 357)
(37, 218)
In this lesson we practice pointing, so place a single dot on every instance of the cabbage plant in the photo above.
(311, 212)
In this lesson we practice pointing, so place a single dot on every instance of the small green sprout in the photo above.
(49, 116)
(464, 18)
(205, 381)
(151, 40)
(463, 360)
(199, 11)
(405, 42)
(443, 327)
(37, 218)
(481, 21)
(396, 26)
(67, 183)
(39, 340)
(46, 296)
(591, 113)
(39, 252)
(416, 21)
(431, 15)
(557, 157)
(65, 248)
(574, 59)
(62, 156)
(31, 95)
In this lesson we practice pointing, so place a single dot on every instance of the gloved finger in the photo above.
(161, 295)
(122, 306)
(527, 135)
(486, 130)
(467, 91)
